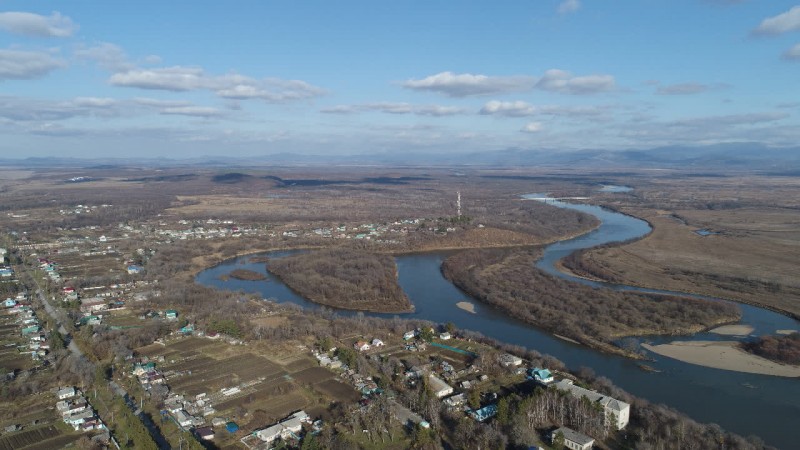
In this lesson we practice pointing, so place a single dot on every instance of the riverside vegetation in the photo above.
(344, 278)
(508, 279)
(782, 349)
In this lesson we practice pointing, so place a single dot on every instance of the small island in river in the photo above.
(508, 279)
(248, 275)
(344, 278)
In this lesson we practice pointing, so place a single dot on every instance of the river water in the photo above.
(747, 404)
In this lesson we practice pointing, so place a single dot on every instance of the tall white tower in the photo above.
(458, 204)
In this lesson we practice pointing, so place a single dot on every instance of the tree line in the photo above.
(783, 349)
(508, 279)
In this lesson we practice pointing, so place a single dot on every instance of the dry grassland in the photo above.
(752, 257)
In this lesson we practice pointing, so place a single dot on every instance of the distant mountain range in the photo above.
(733, 156)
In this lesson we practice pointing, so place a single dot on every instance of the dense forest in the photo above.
(344, 278)
(783, 349)
(508, 280)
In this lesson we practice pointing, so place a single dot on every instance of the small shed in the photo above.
(205, 433)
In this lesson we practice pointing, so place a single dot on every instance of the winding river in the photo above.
(762, 405)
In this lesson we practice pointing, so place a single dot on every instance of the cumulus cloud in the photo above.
(229, 86)
(557, 80)
(396, 108)
(782, 23)
(793, 54)
(510, 109)
(29, 24)
(26, 65)
(466, 84)
(532, 127)
(569, 6)
(553, 80)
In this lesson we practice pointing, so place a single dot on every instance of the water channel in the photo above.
(766, 406)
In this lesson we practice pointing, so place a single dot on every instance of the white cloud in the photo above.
(556, 80)
(175, 78)
(194, 111)
(158, 103)
(230, 86)
(524, 109)
(569, 6)
(782, 23)
(25, 65)
(793, 54)
(94, 102)
(109, 56)
(29, 24)
(510, 109)
(466, 84)
(22, 109)
(532, 127)
(396, 108)
(238, 87)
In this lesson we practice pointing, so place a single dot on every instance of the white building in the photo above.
(67, 392)
(573, 439)
(292, 424)
(183, 418)
(617, 412)
(509, 360)
(438, 386)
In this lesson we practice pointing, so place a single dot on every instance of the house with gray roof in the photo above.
(572, 439)
(617, 412)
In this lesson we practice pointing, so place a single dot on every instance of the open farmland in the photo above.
(272, 384)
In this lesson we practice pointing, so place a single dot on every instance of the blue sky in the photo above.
(184, 79)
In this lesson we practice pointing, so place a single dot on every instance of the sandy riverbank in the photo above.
(724, 355)
(733, 330)
(467, 306)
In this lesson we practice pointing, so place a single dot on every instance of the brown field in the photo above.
(752, 259)
(26, 438)
(338, 390)
(300, 364)
(270, 321)
(76, 265)
(59, 441)
(313, 375)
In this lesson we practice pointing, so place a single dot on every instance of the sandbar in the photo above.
(733, 330)
(724, 355)
(467, 306)
(786, 332)
(566, 339)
